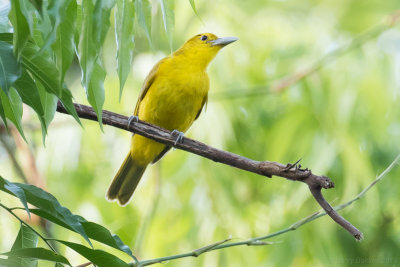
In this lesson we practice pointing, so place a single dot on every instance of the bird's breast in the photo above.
(174, 100)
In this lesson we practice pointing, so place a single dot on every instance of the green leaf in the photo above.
(66, 100)
(87, 47)
(20, 27)
(37, 253)
(103, 235)
(96, 256)
(64, 47)
(95, 91)
(12, 105)
(4, 10)
(95, 25)
(38, 4)
(143, 16)
(26, 238)
(19, 193)
(57, 13)
(101, 20)
(2, 112)
(9, 263)
(93, 230)
(44, 70)
(124, 38)
(28, 10)
(10, 69)
(193, 5)
(27, 89)
(167, 9)
(45, 201)
(49, 102)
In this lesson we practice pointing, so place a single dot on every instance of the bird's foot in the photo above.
(132, 119)
(179, 136)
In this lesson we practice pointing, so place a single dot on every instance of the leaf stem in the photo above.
(10, 210)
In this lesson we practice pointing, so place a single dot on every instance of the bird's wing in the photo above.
(147, 84)
(205, 101)
(167, 148)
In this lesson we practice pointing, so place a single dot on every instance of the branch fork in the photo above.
(266, 168)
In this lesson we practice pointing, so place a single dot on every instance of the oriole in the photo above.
(172, 97)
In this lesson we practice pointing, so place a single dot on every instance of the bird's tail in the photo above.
(126, 180)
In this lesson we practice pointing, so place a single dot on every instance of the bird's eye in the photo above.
(204, 37)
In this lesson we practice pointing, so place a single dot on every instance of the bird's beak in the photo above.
(223, 41)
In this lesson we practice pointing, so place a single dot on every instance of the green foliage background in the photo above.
(343, 121)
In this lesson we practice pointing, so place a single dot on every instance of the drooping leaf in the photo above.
(20, 27)
(45, 201)
(193, 5)
(28, 10)
(124, 15)
(12, 105)
(2, 112)
(167, 10)
(95, 91)
(38, 254)
(38, 4)
(93, 230)
(44, 71)
(19, 193)
(9, 263)
(49, 102)
(95, 24)
(57, 13)
(143, 16)
(10, 69)
(101, 20)
(4, 10)
(103, 235)
(27, 89)
(26, 238)
(64, 46)
(96, 256)
(66, 100)
(87, 46)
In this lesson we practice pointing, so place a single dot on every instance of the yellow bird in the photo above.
(172, 97)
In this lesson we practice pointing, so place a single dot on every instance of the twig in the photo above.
(194, 253)
(27, 225)
(294, 226)
(265, 168)
(291, 79)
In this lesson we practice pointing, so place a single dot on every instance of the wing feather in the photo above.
(147, 84)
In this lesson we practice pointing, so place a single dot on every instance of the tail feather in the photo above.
(125, 181)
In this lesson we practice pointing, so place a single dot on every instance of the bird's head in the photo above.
(202, 48)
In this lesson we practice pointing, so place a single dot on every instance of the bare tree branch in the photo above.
(259, 240)
(265, 168)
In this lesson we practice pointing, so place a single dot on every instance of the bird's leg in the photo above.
(132, 118)
(179, 137)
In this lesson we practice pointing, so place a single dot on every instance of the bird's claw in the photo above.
(132, 118)
(179, 136)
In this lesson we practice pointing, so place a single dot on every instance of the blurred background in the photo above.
(342, 119)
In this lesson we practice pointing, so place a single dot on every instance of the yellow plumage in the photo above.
(172, 97)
